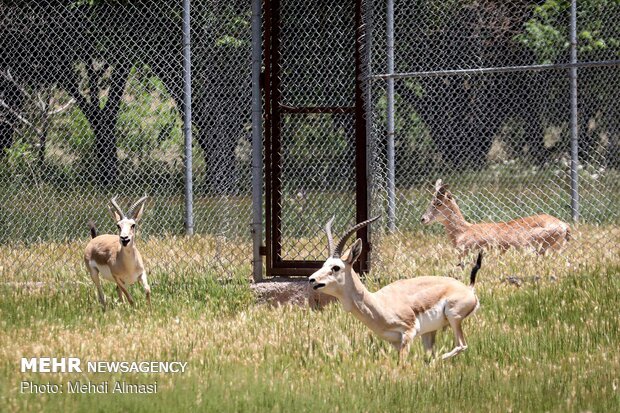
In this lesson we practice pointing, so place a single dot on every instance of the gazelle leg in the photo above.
(145, 285)
(402, 353)
(542, 249)
(459, 339)
(94, 274)
(405, 343)
(428, 341)
(120, 294)
(121, 285)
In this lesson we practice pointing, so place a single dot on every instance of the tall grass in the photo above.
(549, 344)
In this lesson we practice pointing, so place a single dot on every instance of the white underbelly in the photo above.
(432, 319)
(106, 273)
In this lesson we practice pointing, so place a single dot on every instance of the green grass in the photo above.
(499, 192)
(549, 345)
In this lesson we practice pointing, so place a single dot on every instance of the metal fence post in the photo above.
(368, 26)
(187, 119)
(574, 131)
(391, 164)
(257, 145)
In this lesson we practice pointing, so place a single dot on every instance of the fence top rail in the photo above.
(503, 69)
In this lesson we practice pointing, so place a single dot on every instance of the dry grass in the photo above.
(549, 344)
(418, 253)
(63, 261)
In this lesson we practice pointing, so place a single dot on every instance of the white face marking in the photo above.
(433, 210)
(330, 277)
(126, 229)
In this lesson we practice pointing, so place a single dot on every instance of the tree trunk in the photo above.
(106, 158)
(103, 122)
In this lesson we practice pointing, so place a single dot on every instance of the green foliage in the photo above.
(235, 26)
(73, 133)
(547, 34)
(544, 34)
(20, 156)
(415, 149)
(149, 119)
(318, 146)
(230, 41)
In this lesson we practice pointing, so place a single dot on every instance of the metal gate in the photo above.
(315, 130)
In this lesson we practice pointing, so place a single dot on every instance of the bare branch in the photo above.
(7, 75)
(19, 116)
(61, 109)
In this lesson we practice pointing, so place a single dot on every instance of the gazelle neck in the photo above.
(128, 250)
(357, 300)
(454, 222)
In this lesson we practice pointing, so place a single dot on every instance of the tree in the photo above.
(546, 35)
(465, 113)
(78, 49)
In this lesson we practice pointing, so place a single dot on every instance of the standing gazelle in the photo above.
(402, 310)
(115, 257)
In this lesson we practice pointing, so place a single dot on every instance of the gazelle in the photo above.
(402, 310)
(115, 257)
(539, 232)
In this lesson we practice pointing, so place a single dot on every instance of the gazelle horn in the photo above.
(118, 209)
(330, 237)
(345, 237)
(136, 205)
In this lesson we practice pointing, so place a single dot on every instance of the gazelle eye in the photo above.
(133, 226)
(118, 226)
(335, 268)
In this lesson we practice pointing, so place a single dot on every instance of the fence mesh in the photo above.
(499, 138)
(91, 107)
(317, 84)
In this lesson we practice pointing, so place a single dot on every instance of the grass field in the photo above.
(549, 344)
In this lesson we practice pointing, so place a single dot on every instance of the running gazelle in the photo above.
(402, 310)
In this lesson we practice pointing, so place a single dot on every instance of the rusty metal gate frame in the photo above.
(272, 112)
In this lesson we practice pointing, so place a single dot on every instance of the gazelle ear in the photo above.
(114, 214)
(438, 185)
(352, 254)
(138, 214)
(441, 189)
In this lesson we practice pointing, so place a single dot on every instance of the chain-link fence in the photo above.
(479, 95)
(91, 106)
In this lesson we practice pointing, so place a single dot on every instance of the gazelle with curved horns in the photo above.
(402, 310)
(115, 257)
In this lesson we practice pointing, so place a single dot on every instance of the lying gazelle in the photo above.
(115, 257)
(402, 310)
(539, 232)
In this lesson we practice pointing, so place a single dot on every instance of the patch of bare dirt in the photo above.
(282, 291)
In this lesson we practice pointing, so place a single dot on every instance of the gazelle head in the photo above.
(332, 277)
(127, 223)
(441, 206)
